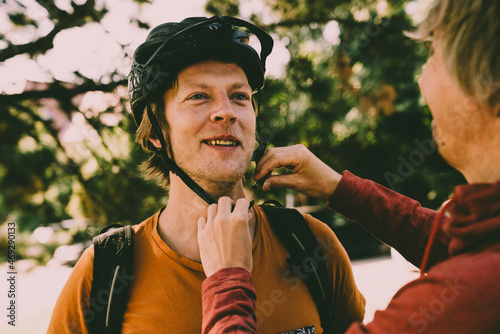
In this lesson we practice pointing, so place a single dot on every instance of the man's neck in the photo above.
(178, 223)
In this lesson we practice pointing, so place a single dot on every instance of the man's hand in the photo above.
(224, 236)
(309, 176)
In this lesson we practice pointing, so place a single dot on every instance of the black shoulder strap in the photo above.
(306, 257)
(113, 254)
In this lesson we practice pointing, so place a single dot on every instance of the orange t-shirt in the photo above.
(165, 291)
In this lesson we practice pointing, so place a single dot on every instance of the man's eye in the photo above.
(241, 96)
(197, 96)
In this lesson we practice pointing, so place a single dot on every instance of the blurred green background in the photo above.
(342, 82)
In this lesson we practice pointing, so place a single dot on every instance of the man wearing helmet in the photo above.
(191, 89)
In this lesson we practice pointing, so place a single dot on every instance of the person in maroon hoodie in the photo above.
(458, 248)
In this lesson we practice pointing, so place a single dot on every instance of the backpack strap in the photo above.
(306, 257)
(113, 253)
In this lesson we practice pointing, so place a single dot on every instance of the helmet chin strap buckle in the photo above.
(257, 155)
(259, 152)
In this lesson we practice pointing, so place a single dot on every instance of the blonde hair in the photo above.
(154, 168)
(469, 33)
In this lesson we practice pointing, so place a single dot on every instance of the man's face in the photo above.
(457, 120)
(212, 123)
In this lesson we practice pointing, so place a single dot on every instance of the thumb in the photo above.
(280, 181)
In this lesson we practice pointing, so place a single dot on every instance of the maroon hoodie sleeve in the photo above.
(394, 219)
(228, 301)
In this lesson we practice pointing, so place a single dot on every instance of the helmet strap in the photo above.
(261, 140)
(170, 163)
(258, 153)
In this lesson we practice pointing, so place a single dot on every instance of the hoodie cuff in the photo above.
(348, 197)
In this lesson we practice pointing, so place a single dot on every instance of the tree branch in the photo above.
(61, 91)
(62, 20)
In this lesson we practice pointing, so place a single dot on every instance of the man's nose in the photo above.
(223, 111)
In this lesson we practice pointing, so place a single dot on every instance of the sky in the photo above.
(95, 49)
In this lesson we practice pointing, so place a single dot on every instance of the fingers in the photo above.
(224, 206)
(212, 212)
(223, 210)
(202, 222)
(276, 157)
(310, 175)
(241, 209)
(224, 236)
(291, 181)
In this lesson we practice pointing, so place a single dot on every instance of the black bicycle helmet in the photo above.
(171, 47)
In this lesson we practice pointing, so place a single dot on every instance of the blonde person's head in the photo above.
(468, 32)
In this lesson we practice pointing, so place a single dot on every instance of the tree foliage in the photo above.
(351, 98)
(63, 161)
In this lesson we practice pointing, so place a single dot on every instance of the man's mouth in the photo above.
(220, 142)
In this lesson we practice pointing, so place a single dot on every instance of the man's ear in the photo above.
(155, 141)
